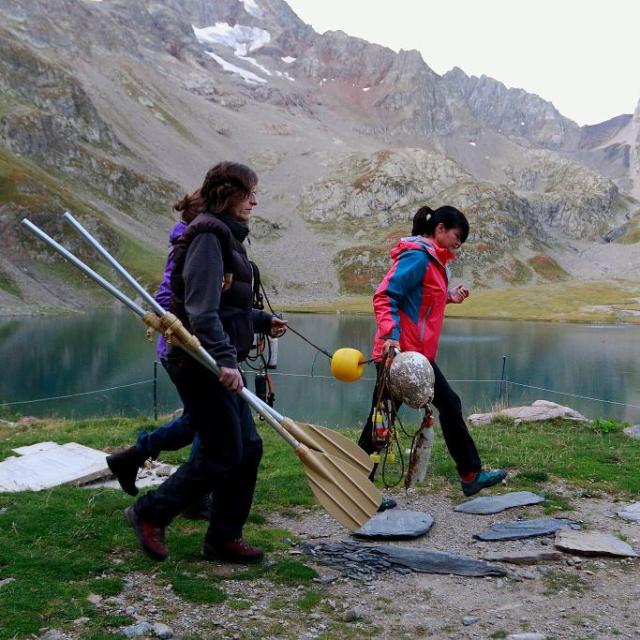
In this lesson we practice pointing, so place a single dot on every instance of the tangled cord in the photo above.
(386, 407)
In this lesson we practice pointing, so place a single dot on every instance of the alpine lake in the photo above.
(99, 365)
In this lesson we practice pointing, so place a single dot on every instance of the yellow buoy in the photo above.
(347, 365)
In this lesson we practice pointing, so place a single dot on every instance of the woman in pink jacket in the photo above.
(409, 306)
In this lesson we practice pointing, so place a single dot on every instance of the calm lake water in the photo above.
(107, 365)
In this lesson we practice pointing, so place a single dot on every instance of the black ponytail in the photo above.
(422, 215)
(426, 220)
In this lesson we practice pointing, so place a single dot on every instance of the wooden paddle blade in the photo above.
(345, 493)
(330, 442)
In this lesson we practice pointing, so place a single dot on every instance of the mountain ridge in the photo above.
(124, 106)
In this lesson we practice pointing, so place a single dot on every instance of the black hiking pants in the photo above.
(226, 463)
(454, 429)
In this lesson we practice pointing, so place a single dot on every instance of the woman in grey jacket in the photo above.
(212, 295)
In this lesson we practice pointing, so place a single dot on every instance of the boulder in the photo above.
(538, 411)
(633, 431)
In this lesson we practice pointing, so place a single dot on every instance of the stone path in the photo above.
(488, 505)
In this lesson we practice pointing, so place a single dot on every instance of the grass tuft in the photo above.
(288, 571)
(197, 590)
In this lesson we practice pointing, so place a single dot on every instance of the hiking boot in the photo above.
(150, 536)
(124, 466)
(387, 503)
(482, 480)
(232, 551)
(200, 510)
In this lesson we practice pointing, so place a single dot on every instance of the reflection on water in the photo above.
(51, 357)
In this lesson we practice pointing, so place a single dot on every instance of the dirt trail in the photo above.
(575, 597)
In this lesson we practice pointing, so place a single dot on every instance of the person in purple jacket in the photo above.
(179, 432)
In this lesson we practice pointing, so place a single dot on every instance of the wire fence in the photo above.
(504, 384)
(77, 395)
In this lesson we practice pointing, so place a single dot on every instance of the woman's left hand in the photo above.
(458, 294)
(278, 327)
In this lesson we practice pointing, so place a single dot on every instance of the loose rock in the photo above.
(162, 631)
(135, 630)
(396, 524)
(521, 529)
(631, 512)
(593, 543)
(527, 556)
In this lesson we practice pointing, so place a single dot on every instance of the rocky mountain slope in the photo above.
(113, 108)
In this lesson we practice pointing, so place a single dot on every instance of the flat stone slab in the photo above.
(426, 561)
(360, 561)
(47, 464)
(593, 543)
(495, 504)
(631, 512)
(396, 524)
(539, 410)
(35, 448)
(521, 529)
(527, 556)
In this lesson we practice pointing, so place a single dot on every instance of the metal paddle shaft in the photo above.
(345, 492)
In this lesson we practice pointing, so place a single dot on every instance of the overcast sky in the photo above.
(582, 55)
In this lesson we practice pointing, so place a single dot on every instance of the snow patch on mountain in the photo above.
(256, 64)
(243, 40)
(247, 76)
(252, 8)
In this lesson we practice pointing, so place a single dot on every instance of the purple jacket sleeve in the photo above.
(163, 294)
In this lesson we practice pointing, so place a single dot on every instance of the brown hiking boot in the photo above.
(124, 466)
(232, 551)
(150, 536)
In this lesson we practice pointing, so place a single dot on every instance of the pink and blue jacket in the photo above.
(410, 301)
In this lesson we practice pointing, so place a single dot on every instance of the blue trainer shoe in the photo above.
(483, 480)
(387, 503)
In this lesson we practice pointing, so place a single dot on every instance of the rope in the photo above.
(289, 327)
(573, 395)
(75, 395)
(322, 377)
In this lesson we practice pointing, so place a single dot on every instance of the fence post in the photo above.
(155, 389)
(503, 382)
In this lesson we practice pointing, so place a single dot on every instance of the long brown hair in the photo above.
(226, 184)
(190, 206)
